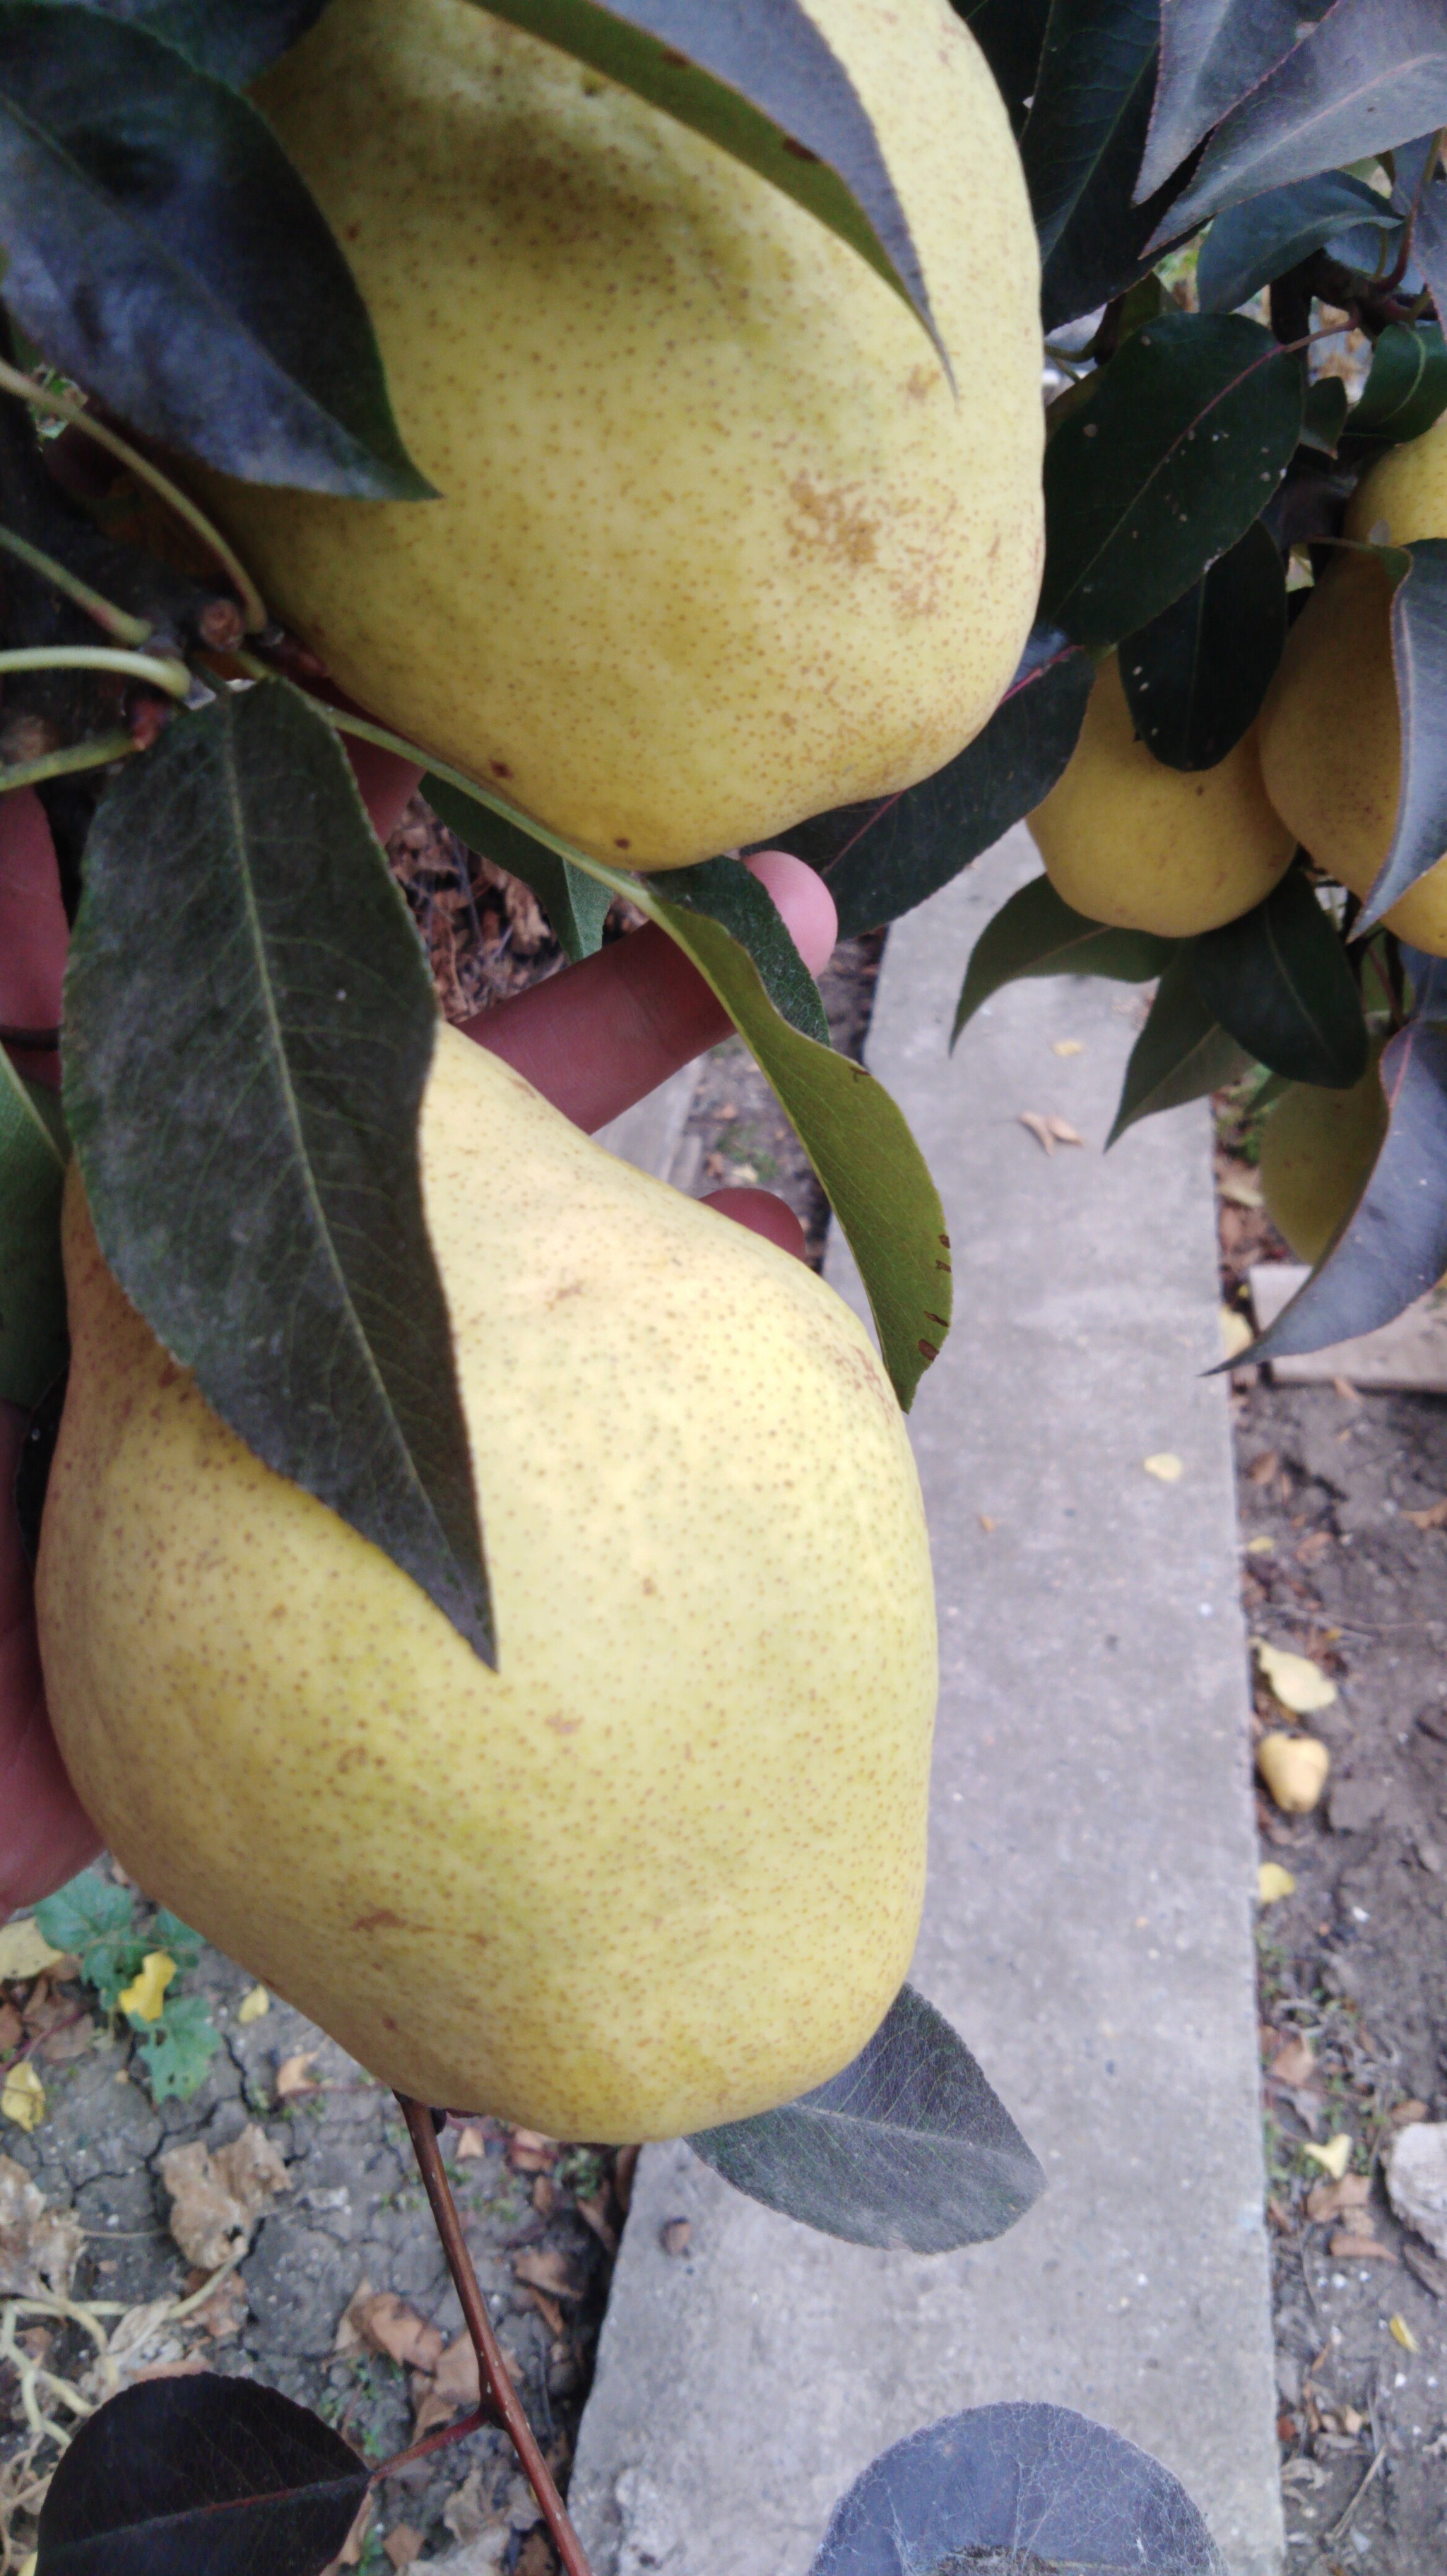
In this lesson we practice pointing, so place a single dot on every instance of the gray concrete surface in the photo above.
(1088, 1923)
(650, 1134)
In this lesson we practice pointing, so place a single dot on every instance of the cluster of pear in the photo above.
(719, 545)
(1129, 841)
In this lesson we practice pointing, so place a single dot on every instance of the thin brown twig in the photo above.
(492, 2369)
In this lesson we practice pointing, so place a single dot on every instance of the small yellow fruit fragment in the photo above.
(1273, 1882)
(145, 1996)
(1401, 2332)
(253, 2004)
(22, 2097)
(1334, 2157)
(1166, 1466)
(1294, 1768)
(1295, 1680)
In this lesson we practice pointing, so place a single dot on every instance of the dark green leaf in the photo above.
(1035, 933)
(1082, 147)
(1252, 244)
(722, 890)
(760, 80)
(1016, 2490)
(160, 248)
(1419, 656)
(1212, 53)
(32, 1286)
(200, 2476)
(1393, 1247)
(234, 40)
(265, 1214)
(575, 903)
(909, 2146)
(1323, 416)
(1278, 982)
(1009, 34)
(1181, 1053)
(178, 2048)
(1177, 447)
(882, 859)
(1404, 393)
(1372, 75)
(1195, 677)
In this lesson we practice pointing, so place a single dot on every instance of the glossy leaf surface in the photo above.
(909, 2146)
(1182, 1052)
(249, 1028)
(1010, 34)
(1393, 1247)
(1419, 660)
(1405, 392)
(576, 905)
(200, 2476)
(1017, 2490)
(1162, 465)
(1279, 983)
(1195, 677)
(881, 860)
(32, 1287)
(234, 40)
(759, 79)
(159, 247)
(1082, 147)
(1036, 933)
(1212, 53)
(1250, 245)
(1371, 75)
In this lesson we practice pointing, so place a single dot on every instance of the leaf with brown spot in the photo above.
(542, 2267)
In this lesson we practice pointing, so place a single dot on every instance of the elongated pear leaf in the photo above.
(1250, 245)
(249, 1027)
(1182, 1052)
(234, 40)
(1212, 53)
(32, 1289)
(1278, 981)
(1035, 932)
(158, 246)
(1419, 658)
(200, 2476)
(759, 79)
(908, 2146)
(1195, 678)
(576, 905)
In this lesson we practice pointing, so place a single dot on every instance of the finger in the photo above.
(763, 1213)
(32, 927)
(606, 1033)
(387, 782)
(45, 1834)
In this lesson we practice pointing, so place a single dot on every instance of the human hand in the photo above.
(593, 1040)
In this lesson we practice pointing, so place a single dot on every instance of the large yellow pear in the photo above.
(663, 1867)
(719, 545)
(1129, 841)
(1331, 735)
(1318, 1148)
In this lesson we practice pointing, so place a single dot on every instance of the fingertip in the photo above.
(762, 1213)
(804, 901)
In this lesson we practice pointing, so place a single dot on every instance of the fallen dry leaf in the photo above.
(529, 2152)
(1063, 1132)
(1236, 1333)
(24, 1950)
(22, 2096)
(542, 2267)
(594, 2214)
(987, 1522)
(39, 2245)
(1355, 2248)
(225, 2312)
(69, 2039)
(675, 2235)
(1294, 1768)
(253, 2004)
(402, 2544)
(1343, 1387)
(1165, 1466)
(1327, 2200)
(294, 2075)
(1239, 1186)
(1066, 1046)
(1434, 1517)
(537, 2556)
(216, 2199)
(1039, 1128)
(548, 2309)
(1295, 2063)
(1334, 2157)
(1261, 1546)
(1273, 1882)
(12, 2030)
(1262, 1469)
(1294, 1680)
(385, 2324)
(470, 2142)
(356, 2540)
(454, 2388)
(145, 1996)
(1407, 2113)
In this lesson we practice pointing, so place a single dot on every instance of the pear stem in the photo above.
(96, 752)
(492, 2369)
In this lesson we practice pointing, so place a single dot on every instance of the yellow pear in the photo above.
(719, 544)
(663, 1867)
(1317, 1152)
(1331, 736)
(1129, 841)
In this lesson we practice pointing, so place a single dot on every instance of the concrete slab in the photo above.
(651, 1132)
(1408, 1354)
(1088, 1920)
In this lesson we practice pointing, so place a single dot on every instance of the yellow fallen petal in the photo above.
(24, 1950)
(1166, 1465)
(145, 1996)
(1295, 1680)
(1273, 1882)
(22, 2097)
(1401, 2332)
(1262, 1546)
(1066, 1046)
(1294, 1768)
(254, 2004)
(1334, 2157)
(1236, 1333)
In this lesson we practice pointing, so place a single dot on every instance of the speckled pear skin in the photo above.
(662, 1868)
(720, 547)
